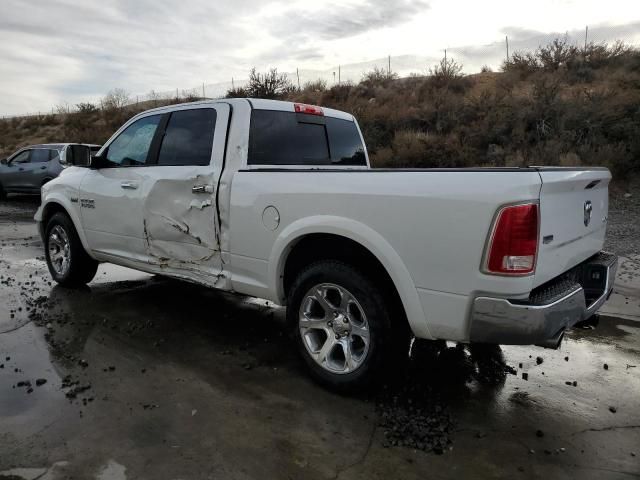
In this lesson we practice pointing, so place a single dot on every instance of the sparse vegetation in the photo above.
(378, 77)
(559, 105)
(115, 99)
(270, 84)
(315, 86)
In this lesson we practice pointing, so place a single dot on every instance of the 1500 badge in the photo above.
(87, 203)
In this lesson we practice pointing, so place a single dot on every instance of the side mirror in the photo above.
(78, 155)
(98, 162)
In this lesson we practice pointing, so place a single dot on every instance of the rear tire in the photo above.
(68, 262)
(342, 325)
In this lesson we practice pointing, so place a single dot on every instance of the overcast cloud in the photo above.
(58, 51)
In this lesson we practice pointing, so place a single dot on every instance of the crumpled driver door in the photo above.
(181, 226)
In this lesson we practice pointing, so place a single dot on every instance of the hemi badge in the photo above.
(547, 239)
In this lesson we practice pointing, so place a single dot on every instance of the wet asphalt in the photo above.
(143, 377)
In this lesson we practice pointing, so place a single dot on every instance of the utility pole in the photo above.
(586, 36)
(339, 78)
(203, 95)
(506, 40)
(445, 56)
(389, 66)
(298, 75)
(233, 87)
(177, 97)
(334, 78)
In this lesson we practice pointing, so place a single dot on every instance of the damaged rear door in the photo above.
(180, 216)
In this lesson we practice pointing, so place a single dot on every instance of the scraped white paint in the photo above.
(112, 471)
(200, 204)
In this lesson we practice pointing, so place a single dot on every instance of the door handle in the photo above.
(129, 185)
(21, 169)
(202, 189)
(43, 168)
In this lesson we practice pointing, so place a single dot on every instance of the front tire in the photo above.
(68, 262)
(342, 325)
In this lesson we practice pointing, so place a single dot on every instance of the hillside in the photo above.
(560, 105)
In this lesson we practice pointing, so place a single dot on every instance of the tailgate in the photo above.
(574, 205)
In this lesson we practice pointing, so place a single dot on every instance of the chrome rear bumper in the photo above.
(551, 308)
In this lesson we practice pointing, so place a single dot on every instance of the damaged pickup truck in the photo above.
(277, 200)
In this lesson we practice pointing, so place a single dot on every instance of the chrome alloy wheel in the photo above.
(334, 328)
(59, 250)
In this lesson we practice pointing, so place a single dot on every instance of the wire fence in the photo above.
(472, 58)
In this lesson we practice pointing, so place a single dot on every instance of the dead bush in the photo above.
(115, 99)
(318, 85)
(236, 92)
(270, 84)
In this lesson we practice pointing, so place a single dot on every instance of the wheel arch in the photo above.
(328, 237)
(57, 205)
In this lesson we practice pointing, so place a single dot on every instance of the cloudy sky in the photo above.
(54, 52)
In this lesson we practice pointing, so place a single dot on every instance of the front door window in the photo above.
(131, 147)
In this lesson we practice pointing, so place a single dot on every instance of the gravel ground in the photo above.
(623, 233)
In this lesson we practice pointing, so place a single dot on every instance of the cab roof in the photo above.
(254, 103)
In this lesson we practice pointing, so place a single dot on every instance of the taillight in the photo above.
(514, 241)
(308, 109)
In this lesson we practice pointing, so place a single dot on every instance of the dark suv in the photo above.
(31, 167)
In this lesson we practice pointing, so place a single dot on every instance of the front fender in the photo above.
(61, 200)
(365, 236)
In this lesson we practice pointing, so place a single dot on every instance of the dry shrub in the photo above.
(409, 146)
(318, 85)
(570, 159)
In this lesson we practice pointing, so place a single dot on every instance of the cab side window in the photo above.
(188, 138)
(131, 147)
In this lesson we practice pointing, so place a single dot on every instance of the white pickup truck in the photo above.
(277, 200)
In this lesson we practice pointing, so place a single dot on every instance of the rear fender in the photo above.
(365, 236)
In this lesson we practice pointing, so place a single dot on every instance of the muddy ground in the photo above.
(141, 377)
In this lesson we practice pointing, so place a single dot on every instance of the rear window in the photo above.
(188, 138)
(288, 138)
